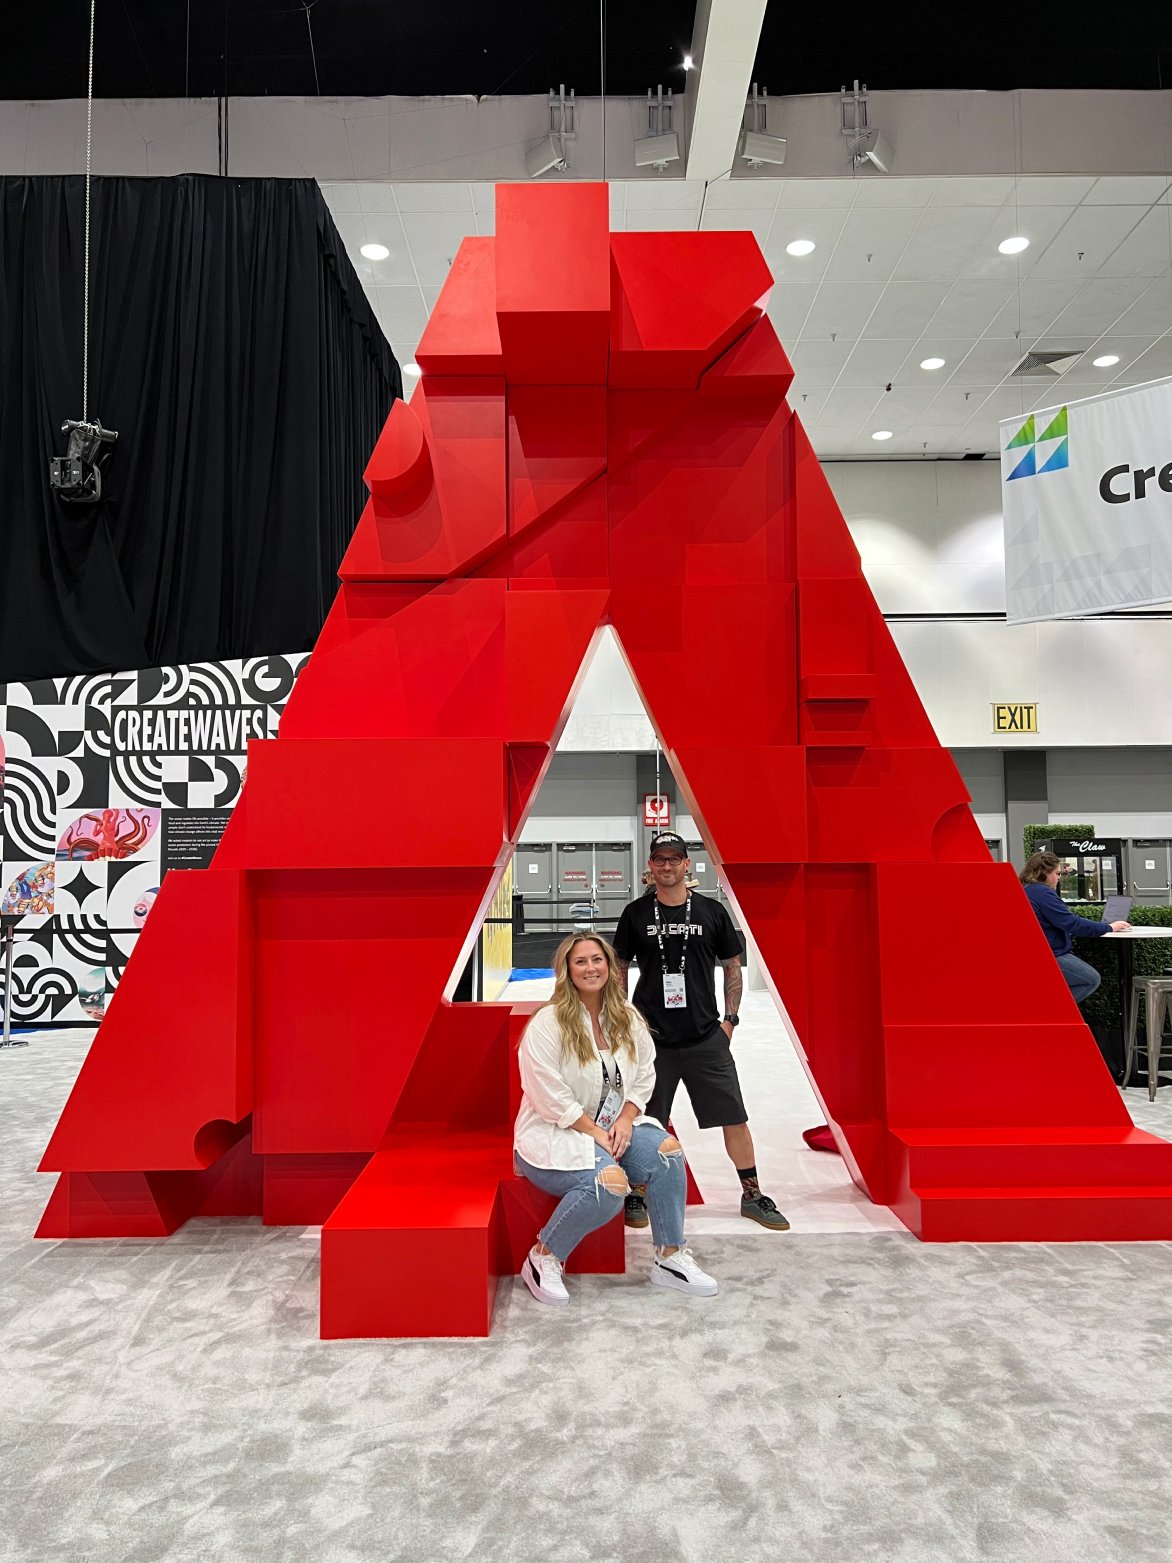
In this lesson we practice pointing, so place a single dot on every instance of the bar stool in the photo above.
(1156, 993)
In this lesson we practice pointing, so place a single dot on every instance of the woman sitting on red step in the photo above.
(587, 1070)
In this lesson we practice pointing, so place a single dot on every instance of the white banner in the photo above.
(1087, 496)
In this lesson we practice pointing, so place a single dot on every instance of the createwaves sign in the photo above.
(1087, 496)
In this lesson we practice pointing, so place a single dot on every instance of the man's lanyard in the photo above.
(687, 931)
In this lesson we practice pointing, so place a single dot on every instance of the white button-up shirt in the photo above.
(558, 1090)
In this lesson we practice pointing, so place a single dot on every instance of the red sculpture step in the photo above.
(1034, 1214)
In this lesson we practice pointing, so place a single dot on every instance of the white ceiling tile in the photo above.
(875, 363)
(1038, 224)
(754, 220)
(434, 197)
(903, 405)
(973, 192)
(1155, 364)
(870, 243)
(875, 189)
(1086, 239)
(841, 309)
(854, 404)
(942, 242)
(341, 196)
(741, 195)
(1125, 190)
(668, 220)
(660, 195)
(377, 196)
(1055, 190)
(401, 312)
(822, 227)
(817, 365)
(1147, 249)
(434, 238)
(953, 350)
(970, 304)
(807, 402)
(905, 309)
(816, 194)
(987, 362)
(1039, 302)
(1114, 303)
(483, 197)
(789, 304)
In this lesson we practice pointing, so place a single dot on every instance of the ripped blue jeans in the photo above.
(586, 1204)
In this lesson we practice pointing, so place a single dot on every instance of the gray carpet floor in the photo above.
(844, 1397)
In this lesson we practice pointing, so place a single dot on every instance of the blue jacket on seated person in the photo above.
(1059, 923)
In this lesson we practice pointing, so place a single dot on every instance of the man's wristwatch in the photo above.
(732, 1020)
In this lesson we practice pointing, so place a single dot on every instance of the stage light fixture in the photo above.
(866, 143)
(756, 146)
(931, 363)
(374, 251)
(881, 434)
(550, 152)
(76, 477)
(1106, 361)
(800, 247)
(1013, 246)
(688, 66)
(661, 145)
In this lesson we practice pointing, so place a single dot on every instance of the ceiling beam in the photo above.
(724, 46)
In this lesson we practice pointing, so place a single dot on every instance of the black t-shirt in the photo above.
(712, 938)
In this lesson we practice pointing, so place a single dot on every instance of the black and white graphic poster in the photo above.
(110, 781)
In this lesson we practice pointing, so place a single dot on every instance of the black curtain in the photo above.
(234, 351)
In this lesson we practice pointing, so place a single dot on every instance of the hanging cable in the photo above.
(89, 137)
(77, 476)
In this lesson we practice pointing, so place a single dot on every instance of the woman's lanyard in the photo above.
(674, 992)
(610, 1103)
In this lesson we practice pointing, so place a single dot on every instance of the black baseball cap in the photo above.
(667, 840)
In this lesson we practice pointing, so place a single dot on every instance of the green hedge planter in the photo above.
(1150, 956)
(1033, 833)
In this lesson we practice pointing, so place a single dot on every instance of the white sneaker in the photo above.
(542, 1274)
(681, 1272)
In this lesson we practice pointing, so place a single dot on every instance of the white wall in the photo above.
(929, 532)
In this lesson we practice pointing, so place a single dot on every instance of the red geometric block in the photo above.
(447, 796)
(685, 507)
(557, 444)
(553, 283)
(168, 1080)
(678, 300)
(401, 457)
(453, 516)
(461, 336)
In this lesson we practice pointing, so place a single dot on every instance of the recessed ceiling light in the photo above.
(1106, 361)
(931, 363)
(375, 251)
(412, 368)
(881, 434)
(800, 247)
(1013, 246)
(688, 62)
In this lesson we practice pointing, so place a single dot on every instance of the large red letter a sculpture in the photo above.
(600, 436)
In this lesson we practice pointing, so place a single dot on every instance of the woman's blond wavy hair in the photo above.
(616, 1016)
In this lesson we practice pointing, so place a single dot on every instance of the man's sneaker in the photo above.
(636, 1211)
(542, 1274)
(765, 1213)
(681, 1272)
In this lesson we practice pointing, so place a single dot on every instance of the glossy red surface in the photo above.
(602, 438)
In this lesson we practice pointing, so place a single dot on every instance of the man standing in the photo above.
(677, 936)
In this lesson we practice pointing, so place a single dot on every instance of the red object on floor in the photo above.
(821, 1138)
(600, 437)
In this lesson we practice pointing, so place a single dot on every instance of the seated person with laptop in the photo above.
(1040, 877)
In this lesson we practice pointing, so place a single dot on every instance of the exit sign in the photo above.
(1011, 717)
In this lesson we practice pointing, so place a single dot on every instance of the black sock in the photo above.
(749, 1184)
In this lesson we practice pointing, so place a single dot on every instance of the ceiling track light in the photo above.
(661, 145)
(550, 151)
(866, 143)
(756, 146)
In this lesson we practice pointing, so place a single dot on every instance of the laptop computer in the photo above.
(1117, 909)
